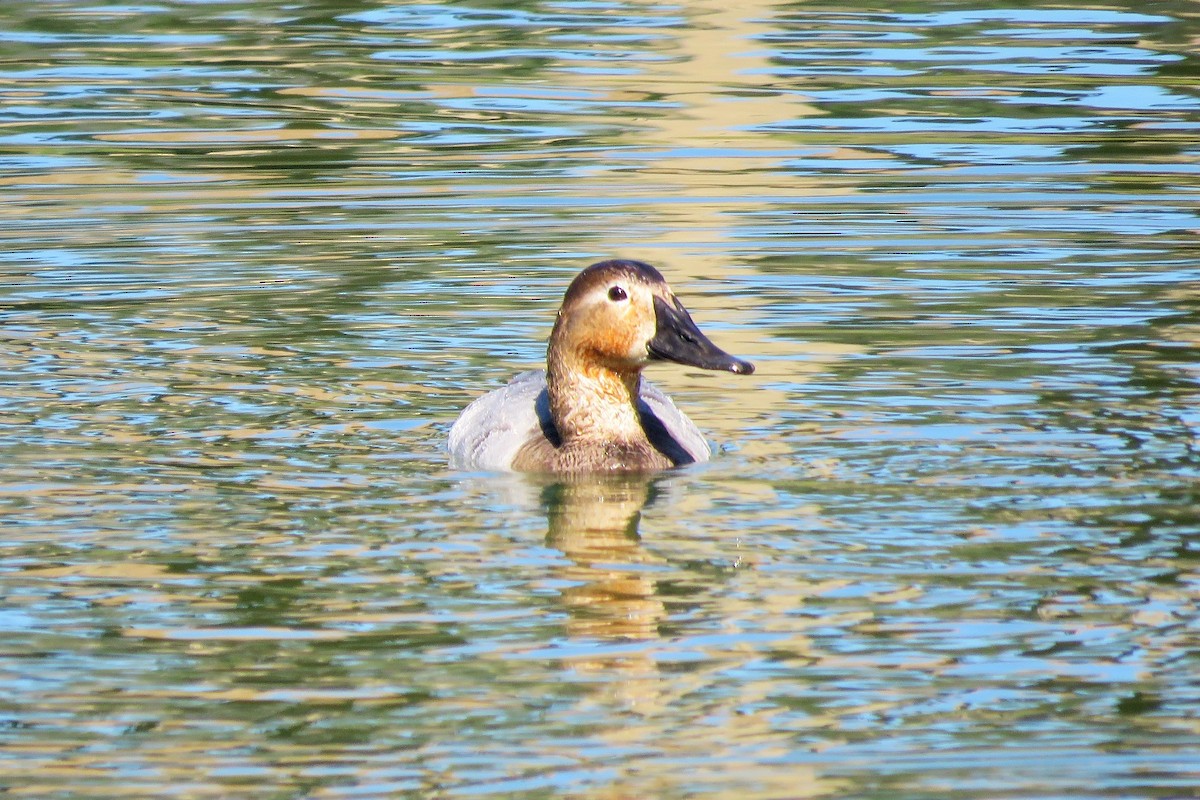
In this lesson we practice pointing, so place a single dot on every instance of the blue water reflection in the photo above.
(257, 257)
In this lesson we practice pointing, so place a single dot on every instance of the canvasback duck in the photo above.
(590, 410)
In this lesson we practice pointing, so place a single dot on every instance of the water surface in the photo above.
(255, 258)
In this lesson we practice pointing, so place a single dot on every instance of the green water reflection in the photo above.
(256, 258)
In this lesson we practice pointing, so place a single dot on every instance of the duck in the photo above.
(590, 410)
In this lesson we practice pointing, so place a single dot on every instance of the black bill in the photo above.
(677, 339)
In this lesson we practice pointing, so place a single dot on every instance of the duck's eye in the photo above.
(617, 294)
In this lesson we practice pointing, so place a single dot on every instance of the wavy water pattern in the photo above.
(256, 257)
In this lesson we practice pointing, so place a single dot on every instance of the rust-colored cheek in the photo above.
(611, 347)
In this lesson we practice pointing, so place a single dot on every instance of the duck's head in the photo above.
(622, 314)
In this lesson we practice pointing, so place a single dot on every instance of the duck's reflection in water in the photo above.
(594, 522)
(638, 678)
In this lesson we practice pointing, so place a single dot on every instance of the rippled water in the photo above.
(256, 257)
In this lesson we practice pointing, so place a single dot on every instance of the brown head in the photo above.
(620, 315)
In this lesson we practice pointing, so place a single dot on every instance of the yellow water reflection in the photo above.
(243, 296)
(702, 169)
(614, 613)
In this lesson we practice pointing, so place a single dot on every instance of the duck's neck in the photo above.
(593, 403)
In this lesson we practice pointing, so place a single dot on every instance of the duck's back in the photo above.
(492, 430)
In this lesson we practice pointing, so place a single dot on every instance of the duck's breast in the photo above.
(492, 429)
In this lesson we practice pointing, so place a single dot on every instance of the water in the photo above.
(256, 257)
